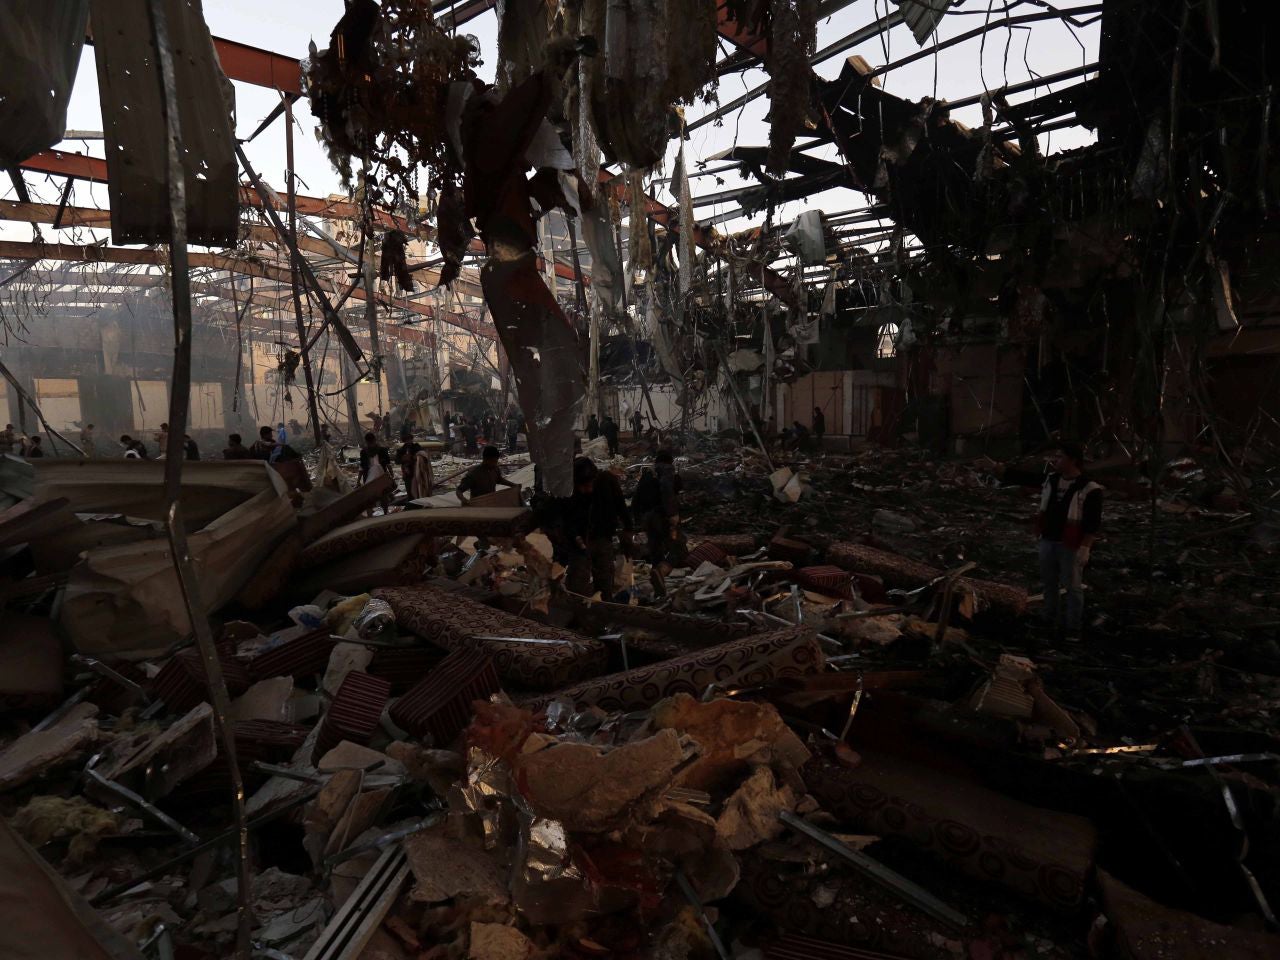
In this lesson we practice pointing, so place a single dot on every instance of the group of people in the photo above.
(135, 449)
(597, 514)
(27, 445)
(472, 431)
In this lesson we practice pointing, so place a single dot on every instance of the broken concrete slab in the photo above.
(497, 941)
(124, 601)
(731, 735)
(750, 815)
(152, 765)
(41, 751)
(445, 868)
(265, 700)
(592, 788)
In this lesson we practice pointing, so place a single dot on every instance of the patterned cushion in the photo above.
(707, 552)
(828, 580)
(181, 683)
(453, 622)
(749, 662)
(303, 656)
(439, 706)
(354, 713)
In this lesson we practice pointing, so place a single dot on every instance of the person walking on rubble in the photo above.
(609, 429)
(593, 427)
(637, 423)
(407, 457)
(483, 479)
(593, 517)
(375, 460)
(513, 431)
(470, 437)
(656, 506)
(819, 425)
(1068, 521)
(87, 443)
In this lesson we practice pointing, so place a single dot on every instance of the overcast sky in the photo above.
(286, 26)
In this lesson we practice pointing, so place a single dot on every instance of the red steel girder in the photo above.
(260, 67)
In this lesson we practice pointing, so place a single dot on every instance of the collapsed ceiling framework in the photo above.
(967, 229)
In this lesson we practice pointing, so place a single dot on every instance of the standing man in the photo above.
(595, 512)
(375, 460)
(490, 428)
(593, 427)
(1068, 521)
(610, 430)
(819, 425)
(264, 446)
(469, 434)
(483, 479)
(656, 506)
(513, 431)
(407, 457)
(7, 439)
(637, 423)
(162, 438)
(281, 434)
(87, 441)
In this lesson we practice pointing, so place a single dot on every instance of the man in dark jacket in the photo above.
(470, 432)
(637, 423)
(610, 431)
(596, 513)
(407, 457)
(656, 506)
(1068, 521)
(235, 449)
(819, 425)
(593, 427)
(513, 431)
(483, 479)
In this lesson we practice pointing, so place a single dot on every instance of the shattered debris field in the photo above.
(639, 480)
(839, 730)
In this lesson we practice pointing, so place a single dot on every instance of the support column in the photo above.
(312, 408)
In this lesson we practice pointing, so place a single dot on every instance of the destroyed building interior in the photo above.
(677, 479)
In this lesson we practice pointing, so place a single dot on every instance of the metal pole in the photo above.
(313, 408)
(179, 400)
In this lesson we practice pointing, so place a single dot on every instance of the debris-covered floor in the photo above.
(835, 731)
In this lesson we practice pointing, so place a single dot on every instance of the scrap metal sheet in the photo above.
(131, 93)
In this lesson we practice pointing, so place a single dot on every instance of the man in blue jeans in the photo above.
(1068, 522)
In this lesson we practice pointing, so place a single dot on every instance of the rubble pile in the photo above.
(828, 734)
